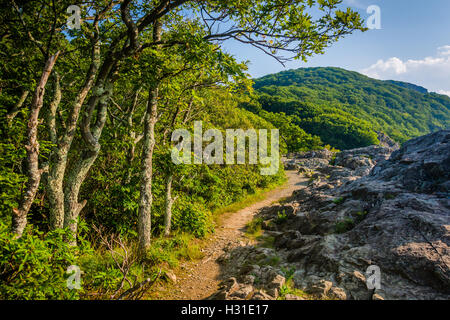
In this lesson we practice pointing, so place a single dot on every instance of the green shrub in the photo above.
(34, 266)
(254, 228)
(345, 225)
(282, 217)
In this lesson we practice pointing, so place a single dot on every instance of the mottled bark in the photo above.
(51, 115)
(54, 186)
(134, 137)
(169, 204)
(76, 177)
(59, 156)
(33, 172)
(146, 197)
(72, 207)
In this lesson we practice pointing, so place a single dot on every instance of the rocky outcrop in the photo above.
(386, 141)
(365, 209)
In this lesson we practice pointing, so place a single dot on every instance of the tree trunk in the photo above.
(134, 138)
(59, 156)
(72, 207)
(151, 117)
(19, 220)
(77, 175)
(54, 179)
(169, 204)
(145, 202)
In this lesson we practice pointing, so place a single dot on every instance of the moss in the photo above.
(345, 225)
(254, 228)
(269, 261)
(267, 242)
(360, 215)
(390, 196)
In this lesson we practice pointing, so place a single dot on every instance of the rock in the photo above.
(319, 154)
(292, 297)
(249, 279)
(386, 141)
(337, 293)
(319, 288)
(260, 295)
(273, 288)
(171, 276)
(243, 292)
(397, 217)
(367, 156)
(377, 297)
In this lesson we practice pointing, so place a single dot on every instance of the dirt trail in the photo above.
(200, 279)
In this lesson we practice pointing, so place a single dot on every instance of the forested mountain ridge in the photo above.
(345, 108)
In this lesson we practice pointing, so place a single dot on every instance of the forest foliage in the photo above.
(345, 109)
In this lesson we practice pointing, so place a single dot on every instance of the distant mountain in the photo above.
(345, 108)
(408, 86)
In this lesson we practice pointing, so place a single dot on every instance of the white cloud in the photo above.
(392, 65)
(432, 73)
(444, 92)
(444, 50)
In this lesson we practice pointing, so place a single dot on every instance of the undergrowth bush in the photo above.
(34, 266)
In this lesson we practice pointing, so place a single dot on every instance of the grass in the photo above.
(360, 215)
(170, 251)
(259, 195)
(289, 287)
(267, 242)
(254, 228)
(283, 200)
(333, 159)
(348, 223)
(269, 261)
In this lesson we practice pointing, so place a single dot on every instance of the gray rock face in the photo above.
(366, 156)
(386, 141)
(397, 217)
(422, 165)
(367, 211)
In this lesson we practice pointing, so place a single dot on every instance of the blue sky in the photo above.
(412, 45)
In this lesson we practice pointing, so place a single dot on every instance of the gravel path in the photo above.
(200, 279)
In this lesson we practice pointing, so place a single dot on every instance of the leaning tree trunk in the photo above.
(76, 177)
(63, 142)
(19, 220)
(55, 177)
(169, 204)
(146, 197)
(72, 207)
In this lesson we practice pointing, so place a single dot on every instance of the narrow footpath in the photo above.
(199, 279)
